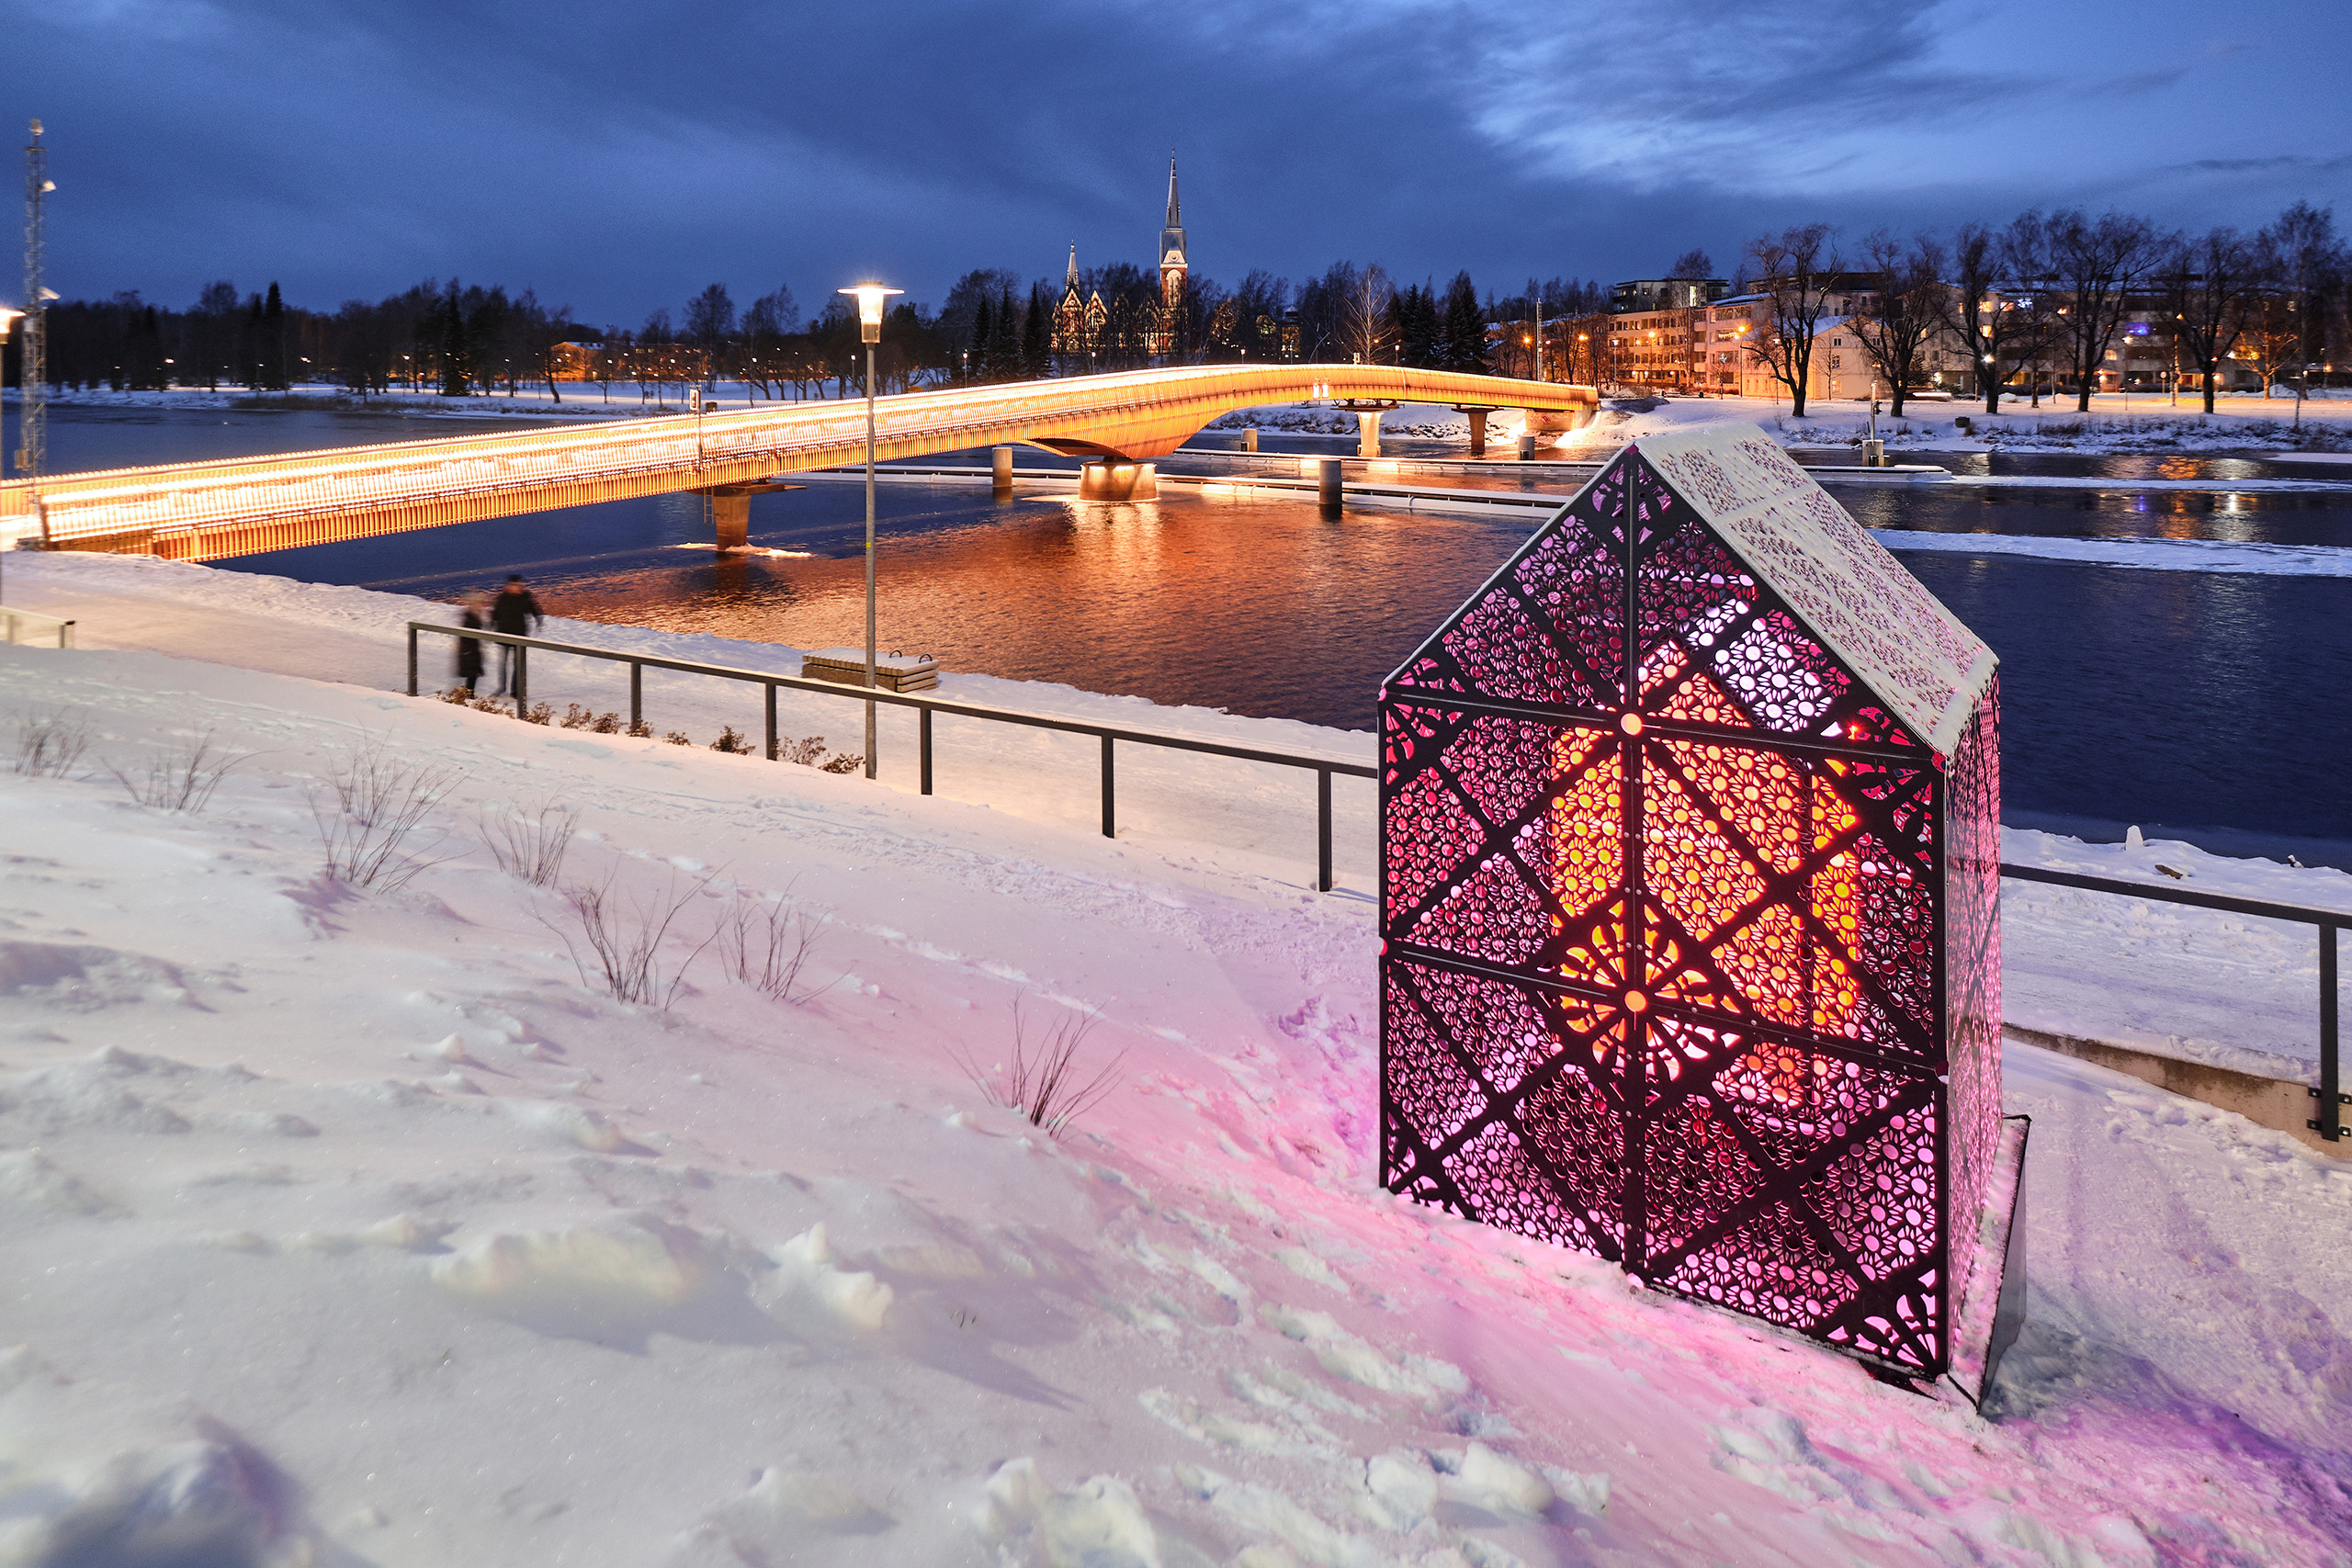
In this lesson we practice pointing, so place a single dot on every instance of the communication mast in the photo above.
(32, 382)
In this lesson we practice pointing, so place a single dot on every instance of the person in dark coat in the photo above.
(473, 618)
(517, 614)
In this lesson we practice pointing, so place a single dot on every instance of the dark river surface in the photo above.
(2207, 705)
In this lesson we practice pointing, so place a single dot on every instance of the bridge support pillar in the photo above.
(1249, 439)
(730, 517)
(1001, 472)
(1327, 485)
(1110, 480)
(1477, 418)
(1368, 432)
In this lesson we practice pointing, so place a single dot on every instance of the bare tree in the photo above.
(1367, 320)
(1896, 322)
(1990, 301)
(2097, 266)
(1798, 267)
(1693, 263)
(2306, 264)
(2208, 283)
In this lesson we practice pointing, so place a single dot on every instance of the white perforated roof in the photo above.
(1899, 637)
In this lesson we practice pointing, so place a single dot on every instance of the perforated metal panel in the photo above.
(1690, 951)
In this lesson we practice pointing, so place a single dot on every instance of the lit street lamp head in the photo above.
(869, 308)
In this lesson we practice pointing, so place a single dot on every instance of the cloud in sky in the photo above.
(618, 155)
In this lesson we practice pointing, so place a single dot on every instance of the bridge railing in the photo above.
(1109, 734)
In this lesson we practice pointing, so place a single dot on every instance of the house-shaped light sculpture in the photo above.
(1690, 946)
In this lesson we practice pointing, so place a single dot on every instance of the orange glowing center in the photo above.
(1631, 723)
(1636, 1002)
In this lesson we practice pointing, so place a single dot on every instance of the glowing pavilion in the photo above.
(1691, 947)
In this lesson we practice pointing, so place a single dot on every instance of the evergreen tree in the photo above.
(1463, 336)
(1037, 335)
(976, 363)
(1005, 341)
(249, 355)
(456, 364)
(272, 350)
(1417, 326)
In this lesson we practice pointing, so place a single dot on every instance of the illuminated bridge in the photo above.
(208, 511)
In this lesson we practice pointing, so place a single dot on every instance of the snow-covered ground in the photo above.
(2142, 422)
(362, 1227)
(2115, 425)
(573, 399)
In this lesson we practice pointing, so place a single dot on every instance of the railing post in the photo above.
(412, 659)
(770, 691)
(636, 693)
(922, 746)
(2329, 1123)
(1110, 794)
(1322, 829)
(522, 681)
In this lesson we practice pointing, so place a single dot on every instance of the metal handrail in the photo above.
(1322, 767)
(2329, 1122)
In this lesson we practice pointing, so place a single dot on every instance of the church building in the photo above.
(1081, 320)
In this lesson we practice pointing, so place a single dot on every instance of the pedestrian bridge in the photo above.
(209, 511)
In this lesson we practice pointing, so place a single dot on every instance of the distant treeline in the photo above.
(461, 339)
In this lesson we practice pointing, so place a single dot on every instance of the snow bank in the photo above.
(349, 1225)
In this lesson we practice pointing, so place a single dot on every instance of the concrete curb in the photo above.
(2268, 1102)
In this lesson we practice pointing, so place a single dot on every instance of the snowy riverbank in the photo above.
(2141, 424)
(355, 1227)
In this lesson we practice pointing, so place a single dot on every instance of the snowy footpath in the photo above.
(347, 1226)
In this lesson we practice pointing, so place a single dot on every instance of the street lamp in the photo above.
(869, 297)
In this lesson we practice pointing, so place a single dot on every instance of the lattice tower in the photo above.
(32, 382)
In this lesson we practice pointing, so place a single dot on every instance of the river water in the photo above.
(2209, 706)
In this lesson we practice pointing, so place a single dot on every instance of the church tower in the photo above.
(1172, 265)
(1173, 268)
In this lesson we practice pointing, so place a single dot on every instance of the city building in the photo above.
(1664, 294)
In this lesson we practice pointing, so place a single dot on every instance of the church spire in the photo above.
(1171, 238)
(1069, 280)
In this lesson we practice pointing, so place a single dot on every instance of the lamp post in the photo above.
(869, 297)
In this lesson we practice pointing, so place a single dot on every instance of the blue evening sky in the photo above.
(619, 154)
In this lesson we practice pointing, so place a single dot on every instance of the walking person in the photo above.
(474, 616)
(517, 614)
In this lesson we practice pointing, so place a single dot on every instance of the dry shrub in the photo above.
(529, 841)
(49, 742)
(679, 737)
(731, 742)
(625, 934)
(639, 731)
(1046, 1082)
(539, 713)
(844, 762)
(766, 945)
(182, 776)
(379, 804)
(806, 751)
